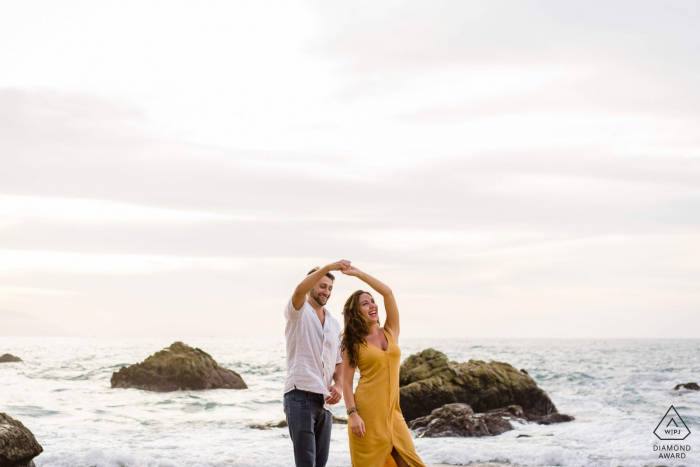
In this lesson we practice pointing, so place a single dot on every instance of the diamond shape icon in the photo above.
(671, 427)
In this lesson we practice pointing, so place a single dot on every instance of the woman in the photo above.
(377, 431)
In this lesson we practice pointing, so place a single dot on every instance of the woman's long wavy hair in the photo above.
(357, 327)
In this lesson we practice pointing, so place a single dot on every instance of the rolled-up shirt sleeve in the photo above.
(340, 351)
(291, 313)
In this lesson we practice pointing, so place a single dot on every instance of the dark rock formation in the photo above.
(550, 418)
(459, 420)
(177, 367)
(428, 380)
(693, 386)
(268, 425)
(7, 358)
(283, 424)
(18, 446)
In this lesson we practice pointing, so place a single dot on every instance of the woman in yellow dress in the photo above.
(376, 428)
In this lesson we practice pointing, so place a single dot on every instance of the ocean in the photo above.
(618, 390)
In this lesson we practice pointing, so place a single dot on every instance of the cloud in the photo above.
(13, 323)
(16, 209)
(6, 291)
(219, 194)
(528, 165)
(82, 263)
(419, 36)
(619, 72)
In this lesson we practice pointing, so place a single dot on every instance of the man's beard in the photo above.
(317, 298)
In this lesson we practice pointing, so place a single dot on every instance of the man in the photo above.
(313, 360)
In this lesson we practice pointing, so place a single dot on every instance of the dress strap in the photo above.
(388, 335)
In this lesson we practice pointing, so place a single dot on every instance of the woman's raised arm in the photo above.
(392, 323)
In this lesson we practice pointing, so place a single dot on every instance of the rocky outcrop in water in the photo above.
(283, 424)
(18, 446)
(268, 425)
(179, 367)
(7, 358)
(459, 420)
(428, 380)
(550, 418)
(691, 386)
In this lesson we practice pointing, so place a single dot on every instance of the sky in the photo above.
(512, 169)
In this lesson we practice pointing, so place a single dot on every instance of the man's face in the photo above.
(322, 291)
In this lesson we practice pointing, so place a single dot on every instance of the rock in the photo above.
(7, 358)
(18, 446)
(268, 425)
(179, 367)
(283, 424)
(428, 380)
(693, 386)
(459, 420)
(550, 418)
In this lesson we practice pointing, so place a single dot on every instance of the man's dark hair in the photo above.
(328, 274)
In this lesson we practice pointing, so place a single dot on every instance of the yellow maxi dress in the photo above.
(377, 402)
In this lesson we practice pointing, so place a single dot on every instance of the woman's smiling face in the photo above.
(368, 308)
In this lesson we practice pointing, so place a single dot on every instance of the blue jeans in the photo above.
(309, 427)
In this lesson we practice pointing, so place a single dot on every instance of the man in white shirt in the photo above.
(313, 362)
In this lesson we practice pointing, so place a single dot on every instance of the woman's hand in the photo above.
(339, 265)
(357, 426)
(351, 271)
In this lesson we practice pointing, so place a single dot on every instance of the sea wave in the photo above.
(617, 390)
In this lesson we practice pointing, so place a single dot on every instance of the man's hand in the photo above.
(336, 394)
(341, 265)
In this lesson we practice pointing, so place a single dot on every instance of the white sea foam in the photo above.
(617, 390)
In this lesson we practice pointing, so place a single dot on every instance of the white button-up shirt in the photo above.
(313, 350)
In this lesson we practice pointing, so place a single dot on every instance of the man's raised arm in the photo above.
(309, 281)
